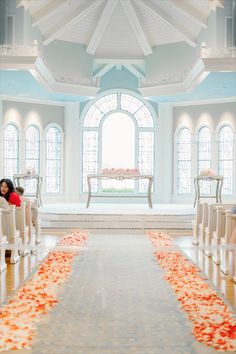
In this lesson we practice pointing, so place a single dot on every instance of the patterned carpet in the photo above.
(116, 302)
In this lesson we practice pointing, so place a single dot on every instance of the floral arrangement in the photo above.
(120, 171)
(207, 172)
(28, 171)
(214, 324)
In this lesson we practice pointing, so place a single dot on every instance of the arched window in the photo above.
(204, 156)
(107, 116)
(32, 155)
(11, 150)
(225, 158)
(53, 160)
(184, 161)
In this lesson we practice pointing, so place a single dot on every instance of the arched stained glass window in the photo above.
(32, 155)
(53, 160)
(184, 161)
(117, 104)
(225, 158)
(204, 156)
(11, 151)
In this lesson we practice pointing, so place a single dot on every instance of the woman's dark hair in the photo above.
(10, 185)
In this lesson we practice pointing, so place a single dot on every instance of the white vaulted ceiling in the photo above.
(120, 29)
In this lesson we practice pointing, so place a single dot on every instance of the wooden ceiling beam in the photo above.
(46, 11)
(188, 10)
(101, 26)
(136, 26)
(169, 21)
(70, 20)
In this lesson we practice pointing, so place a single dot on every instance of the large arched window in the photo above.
(32, 155)
(225, 158)
(184, 161)
(11, 150)
(53, 160)
(120, 115)
(204, 156)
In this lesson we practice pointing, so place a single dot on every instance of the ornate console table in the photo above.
(25, 177)
(218, 189)
(120, 178)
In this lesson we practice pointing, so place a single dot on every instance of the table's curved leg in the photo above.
(196, 186)
(89, 192)
(150, 180)
(40, 181)
(220, 189)
(217, 191)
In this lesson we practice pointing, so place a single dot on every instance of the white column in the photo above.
(164, 154)
(1, 140)
(72, 152)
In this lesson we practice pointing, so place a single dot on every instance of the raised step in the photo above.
(108, 218)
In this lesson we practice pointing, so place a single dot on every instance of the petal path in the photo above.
(213, 322)
(37, 297)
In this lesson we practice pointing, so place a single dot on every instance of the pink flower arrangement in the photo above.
(207, 172)
(213, 322)
(120, 171)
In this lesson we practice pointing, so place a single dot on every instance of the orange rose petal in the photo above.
(214, 324)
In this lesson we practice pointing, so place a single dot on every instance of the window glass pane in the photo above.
(225, 158)
(143, 142)
(144, 117)
(11, 151)
(145, 157)
(53, 162)
(204, 156)
(130, 103)
(184, 161)
(93, 117)
(117, 128)
(32, 153)
(107, 103)
(90, 158)
(229, 32)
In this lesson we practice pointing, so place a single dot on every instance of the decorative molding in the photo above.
(166, 85)
(204, 101)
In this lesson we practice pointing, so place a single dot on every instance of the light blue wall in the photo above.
(69, 59)
(119, 79)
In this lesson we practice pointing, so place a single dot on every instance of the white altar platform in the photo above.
(116, 216)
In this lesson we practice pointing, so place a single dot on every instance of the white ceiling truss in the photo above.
(136, 26)
(117, 35)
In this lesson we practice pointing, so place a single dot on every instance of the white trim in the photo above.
(119, 61)
(101, 26)
(33, 100)
(204, 101)
(69, 21)
(136, 26)
(47, 11)
(193, 13)
(168, 21)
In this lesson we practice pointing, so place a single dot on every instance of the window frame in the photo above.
(118, 93)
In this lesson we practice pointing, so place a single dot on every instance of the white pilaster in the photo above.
(1, 139)
(164, 153)
(72, 152)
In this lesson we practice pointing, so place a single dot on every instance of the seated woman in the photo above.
(7, 191)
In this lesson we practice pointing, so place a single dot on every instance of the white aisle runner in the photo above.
(116, 302)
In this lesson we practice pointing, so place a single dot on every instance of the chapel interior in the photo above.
(118, 118)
